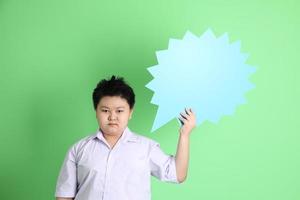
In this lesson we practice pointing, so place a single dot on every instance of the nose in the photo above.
(112, 116)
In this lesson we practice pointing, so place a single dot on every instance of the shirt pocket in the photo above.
(135, 163)
(134, 169)
(87, 174)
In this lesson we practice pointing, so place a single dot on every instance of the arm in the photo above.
(66, 184)
(188, 120)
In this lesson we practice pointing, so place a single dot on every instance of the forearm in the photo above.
(182, 157)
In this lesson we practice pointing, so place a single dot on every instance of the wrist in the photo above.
(184, 135)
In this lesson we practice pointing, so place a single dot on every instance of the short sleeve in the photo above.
(67, 180)
(162, 165)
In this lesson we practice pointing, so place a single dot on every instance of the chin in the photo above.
(112, 131)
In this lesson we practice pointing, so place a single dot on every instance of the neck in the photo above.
(111, 139)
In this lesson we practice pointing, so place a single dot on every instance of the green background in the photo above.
(52, 54)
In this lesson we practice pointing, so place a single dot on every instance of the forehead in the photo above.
(113, 102)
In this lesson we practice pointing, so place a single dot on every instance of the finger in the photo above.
(183, 120)
(186, 111)
(192, 113)
(182, 123)
(184, 115)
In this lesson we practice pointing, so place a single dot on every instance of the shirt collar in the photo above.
(127, 136)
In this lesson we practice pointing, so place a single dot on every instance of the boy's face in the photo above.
(113, 113)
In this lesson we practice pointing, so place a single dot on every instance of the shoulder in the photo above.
(80, 144)
(142, 139)
(144, 144)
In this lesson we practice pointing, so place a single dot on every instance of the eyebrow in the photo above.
(108, 107)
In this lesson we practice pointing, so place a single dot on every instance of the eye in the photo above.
(119, 111)
(104, 110)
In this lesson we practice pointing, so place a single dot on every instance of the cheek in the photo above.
(124, 119)
(101, 117)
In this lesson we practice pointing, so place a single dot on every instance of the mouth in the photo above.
(112, 124)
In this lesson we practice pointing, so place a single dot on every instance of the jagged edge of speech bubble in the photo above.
(207, 73)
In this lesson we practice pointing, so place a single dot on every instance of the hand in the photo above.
(188, 121)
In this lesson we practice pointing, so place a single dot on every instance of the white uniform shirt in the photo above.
(93, 171)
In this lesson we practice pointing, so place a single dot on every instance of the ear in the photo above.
(130, 115)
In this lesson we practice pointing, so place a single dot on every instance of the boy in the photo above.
(116, 163)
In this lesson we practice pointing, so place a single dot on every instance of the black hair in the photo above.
(115, 86)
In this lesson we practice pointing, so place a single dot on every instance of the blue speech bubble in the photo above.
(206, 73)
